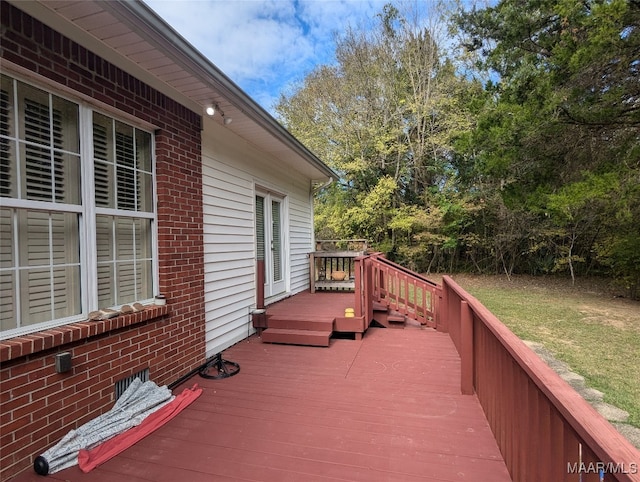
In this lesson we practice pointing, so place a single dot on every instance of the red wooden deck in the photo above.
(319, 304)
(387, 407)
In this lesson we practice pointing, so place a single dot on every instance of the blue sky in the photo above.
(265, 46)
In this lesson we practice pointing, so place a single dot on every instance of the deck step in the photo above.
(296, 337)
(378, 306)
(396, 318)
(300, 323)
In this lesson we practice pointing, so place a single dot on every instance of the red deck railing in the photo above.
(397, 287)
(545, 430)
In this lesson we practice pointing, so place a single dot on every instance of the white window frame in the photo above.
(86, 211)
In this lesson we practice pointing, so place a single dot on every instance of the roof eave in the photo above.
(183, 53)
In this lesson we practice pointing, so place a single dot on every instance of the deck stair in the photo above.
(298, 330)
(387, 317)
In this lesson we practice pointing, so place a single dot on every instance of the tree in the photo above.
(384, 117)
(560, 130)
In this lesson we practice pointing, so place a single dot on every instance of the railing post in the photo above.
(368, 284)
(436, 295)
(443, 319)
(360, 289)
(312, 273)
(259, 315)
(466, 349)
(363, 289)
(260, 284)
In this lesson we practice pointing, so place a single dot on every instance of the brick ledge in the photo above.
(44, 340)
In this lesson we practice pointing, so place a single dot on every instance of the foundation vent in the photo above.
(122, 385)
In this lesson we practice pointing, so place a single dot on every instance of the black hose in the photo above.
(223, 368)
(186, 377)
(220, 367)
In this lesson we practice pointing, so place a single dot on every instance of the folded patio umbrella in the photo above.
(90, 459)
(137, 402)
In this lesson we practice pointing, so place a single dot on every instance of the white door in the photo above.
(270, 241)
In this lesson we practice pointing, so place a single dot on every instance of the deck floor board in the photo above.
(384, 408)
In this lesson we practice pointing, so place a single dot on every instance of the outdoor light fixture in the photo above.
(212, 109)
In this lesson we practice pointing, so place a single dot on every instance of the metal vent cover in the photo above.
(122, 385)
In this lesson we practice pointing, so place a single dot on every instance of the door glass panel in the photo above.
(277, 240)
(260, 227)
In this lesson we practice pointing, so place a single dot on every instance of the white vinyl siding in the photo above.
(228, 255)
(47, 247)
(233, 174)
(301, 240)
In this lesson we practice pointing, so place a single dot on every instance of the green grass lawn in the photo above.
(596, 334)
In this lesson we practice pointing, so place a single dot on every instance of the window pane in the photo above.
(126, 285)
(8, 168)
(35, 121)
(106, 287)
(37, 183)
(125, 164)
(66, 292)
(50, 266)
(68, 184)
(143, 238)
(50, 176)
(8, 319)
(65, 125)
(7, 112)
(126, 178)
(125, 272)
(143, 150)
(7, 253)
(104, 238)
(50, 172)
(35, 296)
(103, 138)
(7, 140)
(125, 269)
(124, 145)
(145, 192)
(122, 165)
(124, 238)
(65, 248)
(103, 176)
(145, 283)
(34, 234)
(103, 160)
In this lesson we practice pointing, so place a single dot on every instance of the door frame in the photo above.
(273, 288)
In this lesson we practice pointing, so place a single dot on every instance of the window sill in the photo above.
(44, 340)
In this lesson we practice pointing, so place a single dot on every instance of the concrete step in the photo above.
(296, 337)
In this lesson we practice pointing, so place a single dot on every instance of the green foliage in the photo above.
(517, 151)
(559, 137)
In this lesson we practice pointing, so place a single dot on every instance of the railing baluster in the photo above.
(403, 290)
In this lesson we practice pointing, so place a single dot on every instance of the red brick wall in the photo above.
(37, 405)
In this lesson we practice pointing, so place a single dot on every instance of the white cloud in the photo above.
(264, 45)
